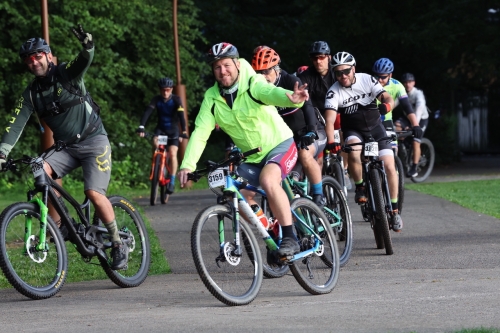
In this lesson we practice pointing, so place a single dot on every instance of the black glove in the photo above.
(384, 108)
(333, 147)
(140, 129)
(84, 37)
(2, 161)
(184, 135)
(417, 132)
(307, 140)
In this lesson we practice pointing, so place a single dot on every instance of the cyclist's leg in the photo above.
(355, 166)
(416, 142)
(312, 171)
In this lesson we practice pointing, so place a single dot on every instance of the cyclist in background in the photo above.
(417, 100)
(240, 102)
(58, 96)
(354, 96)
(302, 121)
(382, 70)
(170, 114)
(301, 69)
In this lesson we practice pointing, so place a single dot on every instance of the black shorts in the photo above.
(173, 136)
(377, 133)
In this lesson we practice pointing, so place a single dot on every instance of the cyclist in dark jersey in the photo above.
(59, 97)
(354, 96)
(170, 113)
(302, 121)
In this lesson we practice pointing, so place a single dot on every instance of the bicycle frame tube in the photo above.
(43, 221)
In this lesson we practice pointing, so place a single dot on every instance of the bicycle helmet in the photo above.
(319, 47)
(383, 66)
(33, 45)
(265, 57)
(343, 58)
(165, 82)
(301, 69)
(407, 77)
(221, 51)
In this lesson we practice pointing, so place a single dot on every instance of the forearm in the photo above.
(146, 115)
(330, 116)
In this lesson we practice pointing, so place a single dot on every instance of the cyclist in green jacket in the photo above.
(58, 96)
(240, 102)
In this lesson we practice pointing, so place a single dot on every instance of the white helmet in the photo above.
(343, 58)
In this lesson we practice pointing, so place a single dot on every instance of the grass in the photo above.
(481, 196)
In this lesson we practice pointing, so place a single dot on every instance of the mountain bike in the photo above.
(227, 255)
(378, 208)
(33, 254)
(160, 172)
(427, 156)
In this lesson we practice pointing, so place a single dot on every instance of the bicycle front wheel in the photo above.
(318, 271)
(401, 182)
(233, 279)
(339, 216)
(135, 236)
(155, 180)
(426, 162)
(37, 274)
(381, 223)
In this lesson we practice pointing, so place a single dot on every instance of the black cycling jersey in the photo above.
(170, 113)
(318, 86)
(300, 120)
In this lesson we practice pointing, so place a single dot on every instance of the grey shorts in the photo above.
(93, 155)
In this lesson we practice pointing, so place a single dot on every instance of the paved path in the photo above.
(444, 276)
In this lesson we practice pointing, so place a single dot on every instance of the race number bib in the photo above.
(37, 167)
(216, 178)
(162, 140)
(336, 136)
(371, 148)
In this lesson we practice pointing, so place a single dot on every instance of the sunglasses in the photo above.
(264, 71)
(319, 57)
(32, 57)
(166, 88)
(343, 72)
(381, 77)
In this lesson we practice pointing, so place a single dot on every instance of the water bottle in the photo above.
(260, 214)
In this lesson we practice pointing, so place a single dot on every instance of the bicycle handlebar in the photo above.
(234, 158)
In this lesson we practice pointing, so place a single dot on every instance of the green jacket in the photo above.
(64, 126)
(249, 123)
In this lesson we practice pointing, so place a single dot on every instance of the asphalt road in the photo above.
(443, 276)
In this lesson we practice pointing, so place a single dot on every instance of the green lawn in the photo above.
(482, 196)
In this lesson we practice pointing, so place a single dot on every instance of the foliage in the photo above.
(480, 196)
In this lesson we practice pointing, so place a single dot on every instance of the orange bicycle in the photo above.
(160, 172)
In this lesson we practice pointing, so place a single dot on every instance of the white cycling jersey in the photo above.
(417, 100)
(356, 104)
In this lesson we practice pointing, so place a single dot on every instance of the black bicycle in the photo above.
(378, 207)
(427, 155)
(33, 255)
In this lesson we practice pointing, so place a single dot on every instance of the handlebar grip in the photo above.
(252, 151)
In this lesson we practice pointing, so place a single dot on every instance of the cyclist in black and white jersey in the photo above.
(354, 96)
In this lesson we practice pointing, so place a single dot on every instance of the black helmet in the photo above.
(33, 45)
(221, 51)
(165, 82)
(319, 47)
(407, 77)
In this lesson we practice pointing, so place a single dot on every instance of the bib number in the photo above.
(37, 167)
(217, 178)
(336, 136)
(371, 148)
(162, 140)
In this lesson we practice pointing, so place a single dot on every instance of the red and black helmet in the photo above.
(221, 51)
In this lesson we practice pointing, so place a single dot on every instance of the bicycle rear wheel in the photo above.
(317, 272)
(426, 162)
(381, 225)
(337, 203)
(129, 222)
(34, 273)
(233, 280)
(155, 180)
(401, 182)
